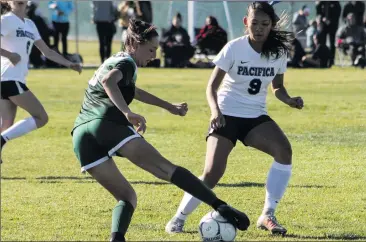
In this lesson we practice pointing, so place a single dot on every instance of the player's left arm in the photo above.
(56, 57)
(280, 92)
(148, 98)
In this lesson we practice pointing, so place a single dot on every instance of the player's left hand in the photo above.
(76, 67)
(296, 102)
(180, 109)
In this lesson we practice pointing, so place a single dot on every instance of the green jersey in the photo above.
(96, 104)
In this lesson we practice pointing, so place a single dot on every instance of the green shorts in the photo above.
(98, 140)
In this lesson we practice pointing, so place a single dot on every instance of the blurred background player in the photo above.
(18, 34)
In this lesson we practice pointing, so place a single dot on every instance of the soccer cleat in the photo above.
(175, 225)
(234, 216)
(269, 222)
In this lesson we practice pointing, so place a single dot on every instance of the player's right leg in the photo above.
(218, 150)
(19, 95)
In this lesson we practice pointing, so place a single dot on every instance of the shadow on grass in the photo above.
(88, 179)
(190, 232)
(328, 237)
(13, 178)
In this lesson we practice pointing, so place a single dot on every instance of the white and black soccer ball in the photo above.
(214, 227)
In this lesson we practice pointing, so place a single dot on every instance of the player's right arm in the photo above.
(217, 119)
(110, 85)
(224, 61)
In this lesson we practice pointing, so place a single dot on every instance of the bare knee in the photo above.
(41, 119)
(129, 196)
(211, 177)
(283, 154)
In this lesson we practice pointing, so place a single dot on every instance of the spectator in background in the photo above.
(126, 11)
(61, 11)
(176, 44)
(211, 38)
(104, 16)
(296, 54)
(329, 12)
(144, 11)
(355, 7)
(320, 58)
(351, 40)
(300, 22)
(310, 32)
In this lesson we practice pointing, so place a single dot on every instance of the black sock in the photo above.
(186, 181)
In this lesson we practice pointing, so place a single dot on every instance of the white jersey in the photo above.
(16, 36)
(243, 91)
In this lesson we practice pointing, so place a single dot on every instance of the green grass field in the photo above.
(44, 197)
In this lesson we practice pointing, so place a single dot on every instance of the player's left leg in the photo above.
(7, 111)
(269, 138)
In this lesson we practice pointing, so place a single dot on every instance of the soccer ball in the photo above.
(214, 227)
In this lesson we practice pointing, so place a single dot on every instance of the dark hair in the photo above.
(278, 41)
(5, 7)
(139, 32)
(213, 20)
(178, 16)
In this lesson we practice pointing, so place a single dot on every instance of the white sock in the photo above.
(19, 128)
(277, 181)
(187, 206)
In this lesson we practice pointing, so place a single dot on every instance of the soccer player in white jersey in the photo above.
(245, 67)
(18, 34)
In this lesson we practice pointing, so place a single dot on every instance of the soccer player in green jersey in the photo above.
(105, 127)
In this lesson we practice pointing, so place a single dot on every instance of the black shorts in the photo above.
(238, 128)
(12, 88)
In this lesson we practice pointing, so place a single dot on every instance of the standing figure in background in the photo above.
(300, 22)
(144, 11)
(126, 11)
(61, 11)
(330, 12)
(355, 7)
(104, 16)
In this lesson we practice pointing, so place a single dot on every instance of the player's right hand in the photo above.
(137, 120)
(217, 120)
(14, 58)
